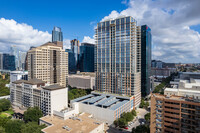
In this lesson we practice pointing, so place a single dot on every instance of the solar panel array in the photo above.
(105, 100)
(95, 99)
(114, 107)
(82, 98)
(110, 102)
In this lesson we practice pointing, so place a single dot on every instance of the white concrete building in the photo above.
(18, 75)
(36, 92)
(104, 107)
(82, 81)
(185, 88)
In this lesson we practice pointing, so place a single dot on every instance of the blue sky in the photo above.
(73, 16)
(175, 24)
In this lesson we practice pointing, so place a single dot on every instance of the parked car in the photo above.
(125, 127)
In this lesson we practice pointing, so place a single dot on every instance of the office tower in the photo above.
(9, 62)
(145, 60)
(57, 34)
(157, 64)
(49, 63)
(71, 61)
(118, 57)
(22, 57)
(178, 110)
(86, 57)
(14, 51)
(75, 50)
(1, 61)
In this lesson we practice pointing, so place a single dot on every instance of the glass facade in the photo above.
(118, 57)
(8, 62)
(86, 57)
(145, 60)
(71, 61)
(75, 50)
(57, 35)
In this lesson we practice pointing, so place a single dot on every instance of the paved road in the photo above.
(140, 114)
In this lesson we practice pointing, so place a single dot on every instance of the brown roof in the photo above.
(52, 44)
(31, 81)
(53, 87)
(86, 124)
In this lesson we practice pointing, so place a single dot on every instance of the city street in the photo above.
(140, 118)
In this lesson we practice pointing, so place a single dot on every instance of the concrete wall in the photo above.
(99, 129)
(97, 112)
(59, 99)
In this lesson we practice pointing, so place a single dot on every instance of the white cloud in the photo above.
(173, 40)
(21, 35)
(88, 39)
(66, 44)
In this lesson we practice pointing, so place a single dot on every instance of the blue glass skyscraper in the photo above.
(75, 50)
(71, 61)
(86, 57)
(8, 62)
(145, 60)
(57, 35)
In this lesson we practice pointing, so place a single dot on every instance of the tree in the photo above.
(4, 104)
(32, 127)
(128, 116)
(122, 122)
(134, 113)
(141, 129)
(32, 114)
(147, 117)
(13, 126)
(3, 121)
(116, 123)
(2, 130)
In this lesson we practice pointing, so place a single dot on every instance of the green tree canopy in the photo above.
(141, 129)
(122, 122)
(32, 114)
(14, 126)
(4, 104)
(2, 130)
(32, 127)
(147, 117)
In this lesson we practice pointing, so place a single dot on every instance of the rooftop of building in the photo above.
(174, 97)
(92, 74)
(191, 85)
(53, 87)
(192, 73)
(19, 72)
(31, 81)
(108, 101)
(79, 124)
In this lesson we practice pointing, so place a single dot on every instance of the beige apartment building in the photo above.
(178, 111)
(118, 57)
(48, 62)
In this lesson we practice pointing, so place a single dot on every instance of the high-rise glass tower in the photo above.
(57, 35)
(86, 57)
(145, 60)
(75, 50)
(14, 51)
(71, 61)
(118, 57)
(8, 62)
